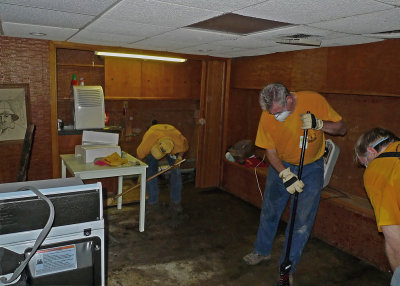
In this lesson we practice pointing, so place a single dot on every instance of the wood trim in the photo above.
(225, 106)
(53, 111)
(80, 65)
(325, 91)
(200, 136)
(77, 46)
(152, 98)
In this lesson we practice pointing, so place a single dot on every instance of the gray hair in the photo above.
(273, 93)
(371, 138)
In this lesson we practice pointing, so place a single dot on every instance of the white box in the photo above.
(99, 138)
(91, 152)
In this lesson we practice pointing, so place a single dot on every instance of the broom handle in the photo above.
(296, 195)
(150, 178)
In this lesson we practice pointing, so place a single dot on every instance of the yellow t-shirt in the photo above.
(286, 137)
(382, 183)
(158, 131)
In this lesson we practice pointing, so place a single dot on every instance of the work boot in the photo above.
(175, 208)
(152, 208)
(255, 258)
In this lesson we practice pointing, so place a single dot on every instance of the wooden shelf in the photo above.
(150, 98)
(80, 65)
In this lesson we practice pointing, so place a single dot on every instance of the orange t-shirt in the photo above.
(286, 137)
(382, 183)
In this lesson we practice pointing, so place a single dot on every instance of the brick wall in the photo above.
(27, 61)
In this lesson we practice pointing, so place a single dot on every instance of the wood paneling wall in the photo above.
(27, 61)
(360, 82)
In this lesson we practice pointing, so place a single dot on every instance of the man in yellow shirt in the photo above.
(280, 133)
(159, 141)
(373, 150)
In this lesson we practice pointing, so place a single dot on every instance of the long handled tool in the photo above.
(286, 266)
(176, 164)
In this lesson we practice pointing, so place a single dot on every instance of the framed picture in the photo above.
(15, 113)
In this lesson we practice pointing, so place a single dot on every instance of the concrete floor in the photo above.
(205, 246)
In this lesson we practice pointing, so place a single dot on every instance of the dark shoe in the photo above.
(175, 208)
(152, 208)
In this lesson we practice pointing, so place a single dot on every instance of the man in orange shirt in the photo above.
(280, 133)
(159, 141)
(373, 150)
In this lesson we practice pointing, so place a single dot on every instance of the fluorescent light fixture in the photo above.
(138, 56)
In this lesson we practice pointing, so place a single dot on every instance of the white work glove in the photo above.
(291, 182)
(311, 122)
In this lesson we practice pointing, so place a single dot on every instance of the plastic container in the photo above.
(74, 81)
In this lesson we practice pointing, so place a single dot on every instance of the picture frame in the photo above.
(15, 111)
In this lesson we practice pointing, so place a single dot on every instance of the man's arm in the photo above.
(274, 160)
(334, 128)
(392, 244)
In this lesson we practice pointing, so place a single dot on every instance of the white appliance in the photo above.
(97, 145)
(330, 157)
(88, 107)
(73, 251)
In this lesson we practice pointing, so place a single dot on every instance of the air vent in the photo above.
(300, 40)
(89, 98)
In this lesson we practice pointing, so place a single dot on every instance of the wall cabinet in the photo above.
(139, 79)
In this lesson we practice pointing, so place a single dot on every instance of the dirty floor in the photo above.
(205, 246)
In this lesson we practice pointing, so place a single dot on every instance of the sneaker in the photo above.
(255, 258)
(290, 281)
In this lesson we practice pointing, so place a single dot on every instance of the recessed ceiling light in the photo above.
(38, 34)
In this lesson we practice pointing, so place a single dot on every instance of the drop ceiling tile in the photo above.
(222, 5)
(193, 37)
(88, 7)
(391, 2)
(106, 25)
(351, 40)
(362, 24)
(43, 17)
(310, 11)
(247, 53)
(292, 30)
(25, 30)
(208, 49)
(158, 13)
(247, 42)
(159, 45)
(104, 37)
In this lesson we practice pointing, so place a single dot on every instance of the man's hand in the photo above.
(291, 182)
(311, 122)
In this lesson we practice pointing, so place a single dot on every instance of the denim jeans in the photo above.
(274, 203)
(396, 277)
(152, 185)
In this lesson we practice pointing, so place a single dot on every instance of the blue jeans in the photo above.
(274, 203)
(396, 277)
(152, 185)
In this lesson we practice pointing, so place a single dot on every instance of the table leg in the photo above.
(63, 169)
(142, 200)
(119, 202)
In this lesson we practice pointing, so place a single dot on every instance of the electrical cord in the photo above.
(255, 173)
(41, 237)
